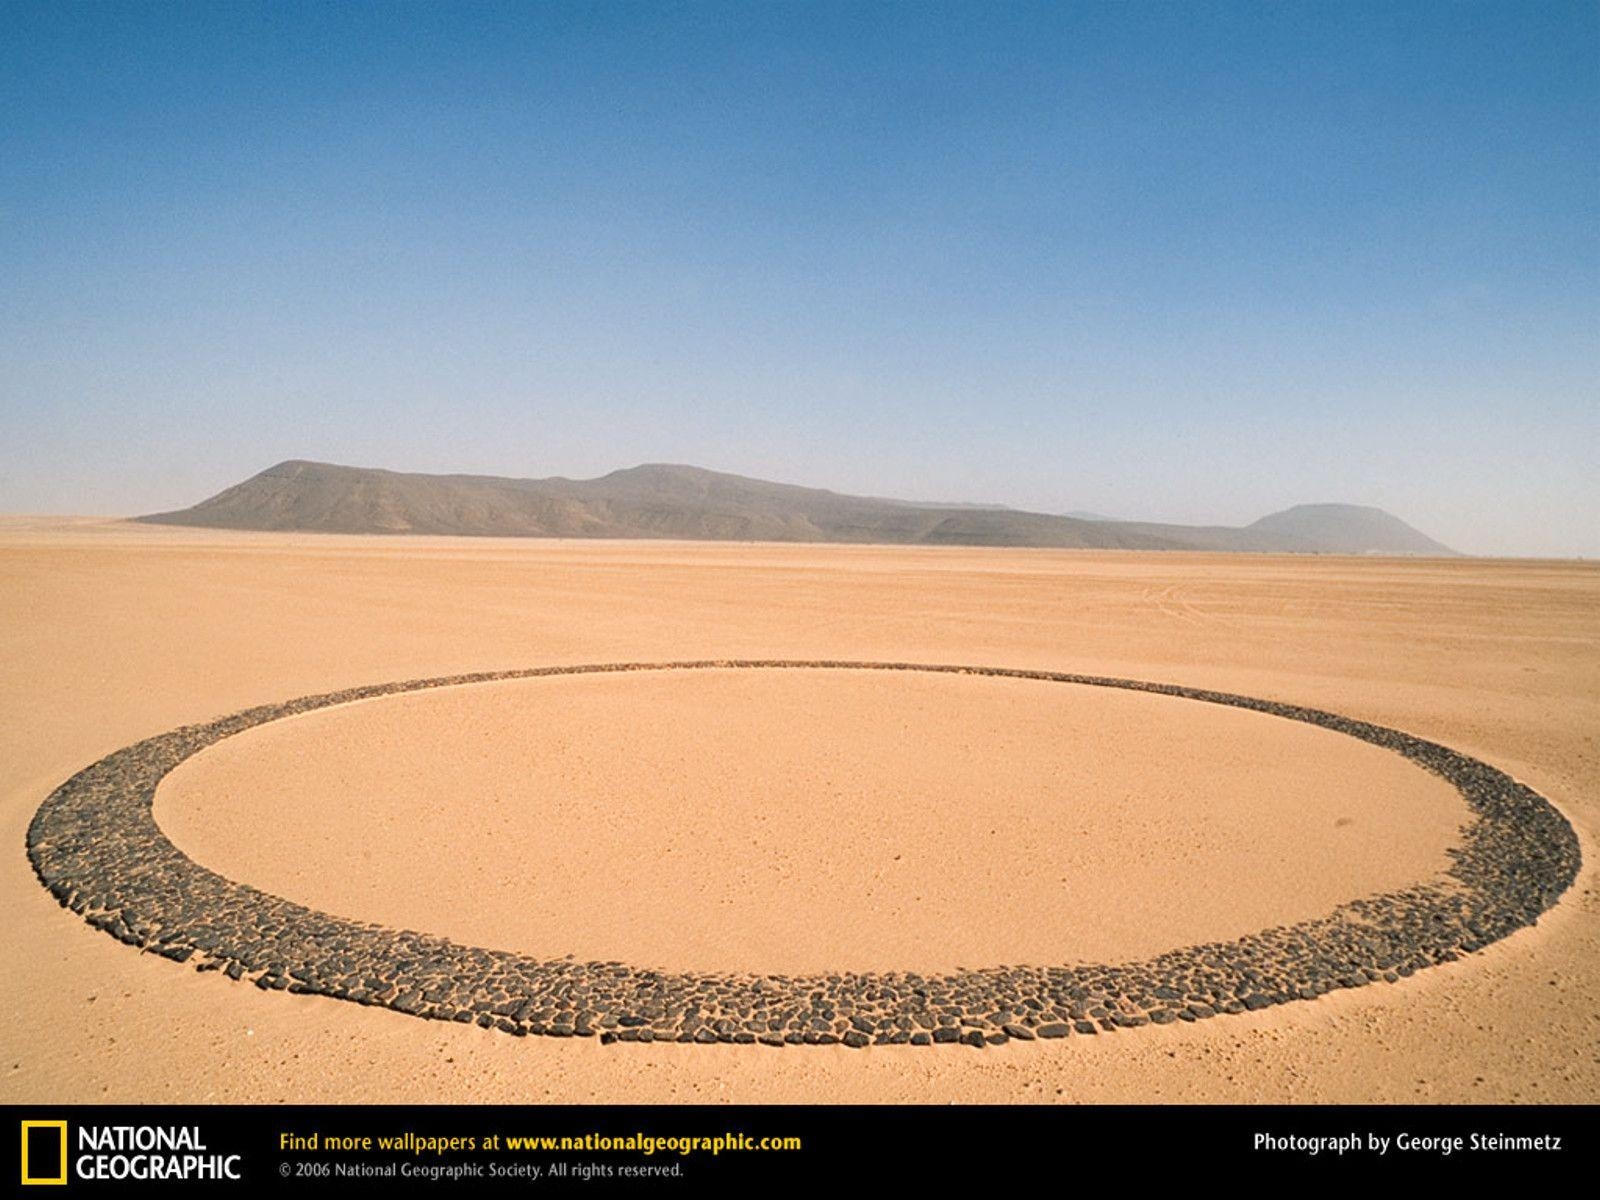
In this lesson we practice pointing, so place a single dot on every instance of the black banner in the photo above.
(441, 1151)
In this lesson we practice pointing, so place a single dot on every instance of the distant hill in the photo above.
(1079, 514)
(668, 501)
(1308, 529)
(1348, 529)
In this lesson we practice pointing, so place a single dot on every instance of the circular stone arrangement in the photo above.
(95, 844)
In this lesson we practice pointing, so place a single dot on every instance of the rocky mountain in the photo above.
(670, 501)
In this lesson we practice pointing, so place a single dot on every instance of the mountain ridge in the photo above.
(678, 501)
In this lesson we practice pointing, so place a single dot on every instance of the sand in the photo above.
(788, 822)
(791, 823)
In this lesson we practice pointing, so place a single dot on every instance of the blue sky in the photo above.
(1179, 261)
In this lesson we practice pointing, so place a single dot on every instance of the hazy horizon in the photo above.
(1188, 265)
(953, 501)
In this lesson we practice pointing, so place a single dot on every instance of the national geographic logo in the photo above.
(44, 1153)
(116, 1153)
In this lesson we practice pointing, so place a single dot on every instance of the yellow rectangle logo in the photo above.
(44, 1168)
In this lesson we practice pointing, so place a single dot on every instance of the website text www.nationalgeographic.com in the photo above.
(665, 1151)
(602, 1143)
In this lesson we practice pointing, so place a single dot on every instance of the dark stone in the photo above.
(96, 847)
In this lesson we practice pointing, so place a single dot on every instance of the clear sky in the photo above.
(1188, 262)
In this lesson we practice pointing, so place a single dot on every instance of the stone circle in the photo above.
(95, 845)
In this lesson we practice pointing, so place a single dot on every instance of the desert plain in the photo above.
(791, 821)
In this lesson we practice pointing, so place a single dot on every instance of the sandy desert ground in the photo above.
(791, 821)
